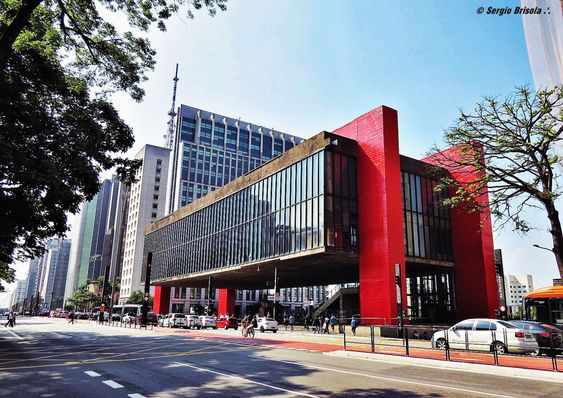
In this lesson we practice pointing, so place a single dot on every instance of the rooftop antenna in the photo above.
(169, 136)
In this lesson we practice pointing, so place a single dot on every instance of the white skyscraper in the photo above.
(146, 204)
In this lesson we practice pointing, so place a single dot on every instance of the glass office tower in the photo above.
(211, 150)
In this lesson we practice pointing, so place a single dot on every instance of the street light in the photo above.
(544, 248)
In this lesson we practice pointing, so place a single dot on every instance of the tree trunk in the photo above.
(556, 235)
(13, 30)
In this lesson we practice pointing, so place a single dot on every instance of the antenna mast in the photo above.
(169, 136)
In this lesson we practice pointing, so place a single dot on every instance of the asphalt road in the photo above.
(43, 357)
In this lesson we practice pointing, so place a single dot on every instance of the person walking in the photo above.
(291, 321)
(71, 317)
(333, 322)
(354, 325)
(10, 321)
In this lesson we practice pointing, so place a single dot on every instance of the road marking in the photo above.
(91, 373)
(136, 395)
(406, 381)
(246, 380)
(17, 336)
(112, 384)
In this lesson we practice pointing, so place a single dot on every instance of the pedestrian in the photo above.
(325, 325)
(318, 325)
(291, 321)
(14, 315)
(71, 317)
(285, 321)
(10, 320)
(306, 323)
(333, 322)
(354, 325)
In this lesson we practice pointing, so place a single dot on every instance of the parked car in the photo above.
(545, 335)
(193, 322)
(228, 323)
(486, 335)
(128, 318)
(151, 318)
(208, 322)
(160, 319)
(267, 324)
(175, 320)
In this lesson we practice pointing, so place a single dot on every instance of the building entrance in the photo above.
(430, 294)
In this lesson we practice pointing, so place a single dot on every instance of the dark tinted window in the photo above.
(483, 325)
(464, 325)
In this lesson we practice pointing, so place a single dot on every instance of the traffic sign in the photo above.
(502, 308)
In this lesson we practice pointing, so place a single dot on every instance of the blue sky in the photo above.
(307, 66)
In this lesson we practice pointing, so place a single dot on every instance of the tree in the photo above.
(6, 274)
(59, 62)
(136, 297)
(508, 147)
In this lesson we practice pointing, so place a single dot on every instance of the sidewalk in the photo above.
(460, 366)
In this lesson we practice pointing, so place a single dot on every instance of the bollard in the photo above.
(406, 333)
(344, 339)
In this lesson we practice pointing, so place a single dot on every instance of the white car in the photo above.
(175, 320)
(193, 322)
(208, 322)
(265, 324)
(484, 334)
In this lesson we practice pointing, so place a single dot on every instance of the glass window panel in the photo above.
(309, 177)
(303, 228)
(337, 169)
(315, 174)
(344, 175)
(315, 213)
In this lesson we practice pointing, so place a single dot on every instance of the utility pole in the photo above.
(275, 290)
(147, 290)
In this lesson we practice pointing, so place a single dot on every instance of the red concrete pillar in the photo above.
(472, 234)
(380, 212)
(226, 301)
(161, 300)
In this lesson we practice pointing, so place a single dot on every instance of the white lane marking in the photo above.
(136, 395)
(91, 373)
(406, 381)
(112, 384)
(17, 336)
(246, 380)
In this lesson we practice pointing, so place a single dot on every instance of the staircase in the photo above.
(333, 298)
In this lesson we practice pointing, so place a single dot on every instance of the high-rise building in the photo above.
(211, 150)
(517, 287)
(97, 236)
(208, 151)
(146, 203)
(54, 267)
(544, 39)
(31, 289)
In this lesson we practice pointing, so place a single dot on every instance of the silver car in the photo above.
(482, 334)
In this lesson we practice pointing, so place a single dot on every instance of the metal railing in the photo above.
(496, 348)
(120, 323)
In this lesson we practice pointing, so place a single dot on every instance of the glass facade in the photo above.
(426, 223)
(308, 204)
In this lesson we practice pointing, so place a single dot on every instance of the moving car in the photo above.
(175, 320)
(547, 336)
(484, 334)
(267, 324)
(208, 322)
(228, 323)
(193, 322)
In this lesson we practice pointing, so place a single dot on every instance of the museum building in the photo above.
(341, 207)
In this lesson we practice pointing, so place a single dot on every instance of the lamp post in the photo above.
(543, 248)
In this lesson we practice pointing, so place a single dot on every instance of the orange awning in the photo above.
(546, 292)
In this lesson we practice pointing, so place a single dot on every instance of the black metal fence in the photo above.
(130, 325)
(500, 347)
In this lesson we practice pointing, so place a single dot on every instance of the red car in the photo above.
(227, 323)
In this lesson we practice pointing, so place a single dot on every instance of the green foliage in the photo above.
(6, 274)
(59, 61)
(136, 297)
(84, 300)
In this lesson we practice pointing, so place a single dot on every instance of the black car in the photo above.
(547, 336)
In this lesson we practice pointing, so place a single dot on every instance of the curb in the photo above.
(459, 366)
